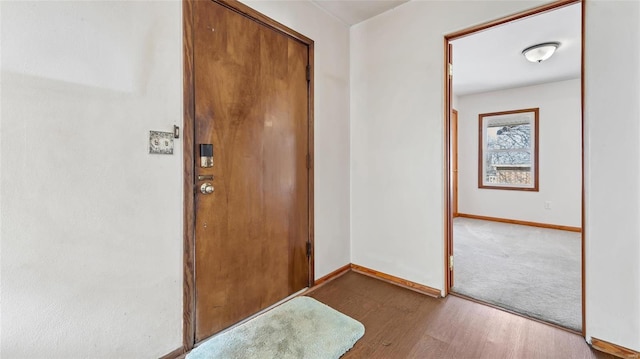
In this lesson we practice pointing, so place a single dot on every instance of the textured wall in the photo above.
(612, 110)
(91, 223)
(397, 131)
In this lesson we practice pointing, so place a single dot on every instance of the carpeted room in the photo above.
(528, 270)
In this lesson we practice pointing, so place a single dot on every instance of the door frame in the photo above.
(188, 293)
(448, 215)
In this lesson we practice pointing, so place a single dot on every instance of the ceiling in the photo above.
(492, 59)
(352, 12)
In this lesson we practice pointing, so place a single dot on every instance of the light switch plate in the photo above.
(161, 142)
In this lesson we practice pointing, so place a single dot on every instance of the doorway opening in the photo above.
(514, 204)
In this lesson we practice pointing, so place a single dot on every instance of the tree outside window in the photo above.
(508, 154)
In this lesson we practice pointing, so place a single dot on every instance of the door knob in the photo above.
(206, 188)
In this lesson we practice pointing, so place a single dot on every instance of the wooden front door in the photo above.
(252, 105)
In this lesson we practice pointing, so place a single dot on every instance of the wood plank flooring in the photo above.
(400, 323)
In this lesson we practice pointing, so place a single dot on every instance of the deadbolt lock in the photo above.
(206, 188)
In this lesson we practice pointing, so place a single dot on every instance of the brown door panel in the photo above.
(252, 105)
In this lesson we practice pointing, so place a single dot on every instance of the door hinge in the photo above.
(308, 73)
(308, 249)
(450, 262)
(308, 161)
(450, 70)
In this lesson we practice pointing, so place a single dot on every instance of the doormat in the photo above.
(299, 328)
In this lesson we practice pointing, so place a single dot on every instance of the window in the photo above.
(508, 153)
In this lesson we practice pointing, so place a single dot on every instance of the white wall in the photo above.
(91, 223)
(397, 150)
(612, 113)
(560, 155)
(397, 157)
(331, 66)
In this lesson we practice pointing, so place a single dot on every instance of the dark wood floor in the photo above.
(400, 323)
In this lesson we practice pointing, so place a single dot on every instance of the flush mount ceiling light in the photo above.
(540, 52)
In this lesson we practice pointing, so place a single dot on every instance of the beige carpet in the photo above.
(532, 271)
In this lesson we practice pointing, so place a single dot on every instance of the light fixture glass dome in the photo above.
(540, 52)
